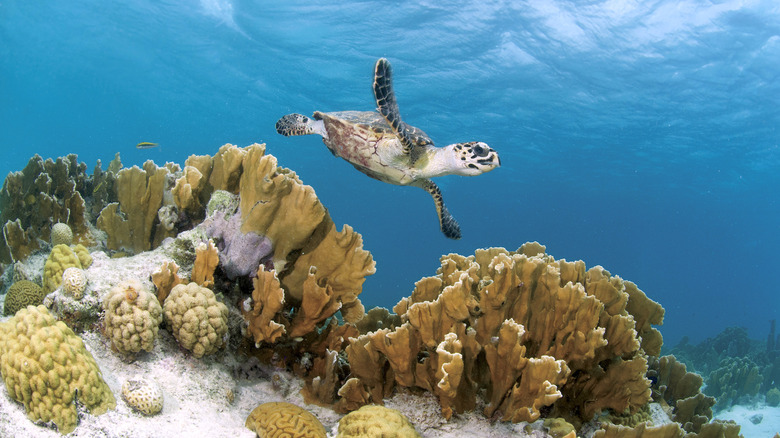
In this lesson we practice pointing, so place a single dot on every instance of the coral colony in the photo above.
(247, 259)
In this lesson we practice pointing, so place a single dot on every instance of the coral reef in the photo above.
(736, 378)
(143, 395)
(46, 367)
(376, 421)
(773, 397)
(74, 282)
(722, 429)
(21, 294)
(34, 199)
(198, 321)
(280, 419)
(486, 323)
(132, 317)
(518, 334)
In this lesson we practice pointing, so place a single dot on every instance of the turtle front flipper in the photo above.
(449, 226)
(297, 124)
(409, 136)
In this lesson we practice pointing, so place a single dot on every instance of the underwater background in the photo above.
(641, 136)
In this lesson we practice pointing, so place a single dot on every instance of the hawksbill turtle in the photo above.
(379, 144)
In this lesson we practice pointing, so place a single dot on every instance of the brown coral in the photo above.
(140, 194)
(165, 278)
(277, 205)
(206, 261)
(267, 301)
(538, 320)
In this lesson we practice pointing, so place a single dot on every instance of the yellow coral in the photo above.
(197, 319)
(132, 317)
(373, 421)
(45, 365)
(60, 259)
(281, 420)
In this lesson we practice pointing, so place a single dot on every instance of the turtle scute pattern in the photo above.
(284, 420)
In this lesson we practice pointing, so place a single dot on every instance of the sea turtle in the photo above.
(379, 144)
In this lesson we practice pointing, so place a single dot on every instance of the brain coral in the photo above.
(143, 395)
(22, 294)
(376, 421)
(61, 234)
(74, 282)
(46, 367)
(132, 317)
(282, 420)
(197, 319)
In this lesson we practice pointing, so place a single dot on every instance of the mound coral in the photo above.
(132, 316)
(198, 321)
(376, 421)
(61, 234)
(46, 367)
(143, 395)
(22, 294)
(280, 419)
(74, 282)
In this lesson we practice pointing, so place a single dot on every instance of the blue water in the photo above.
(638, 135)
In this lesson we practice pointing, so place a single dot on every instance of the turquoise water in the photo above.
(641, 136)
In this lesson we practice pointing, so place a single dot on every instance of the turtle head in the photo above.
(473, 158)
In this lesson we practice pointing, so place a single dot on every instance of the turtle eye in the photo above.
(479, 150)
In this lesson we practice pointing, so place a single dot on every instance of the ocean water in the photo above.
(638, 135)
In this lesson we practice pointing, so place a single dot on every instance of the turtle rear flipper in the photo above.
(449, 226)
(298, 124)
(411, 138)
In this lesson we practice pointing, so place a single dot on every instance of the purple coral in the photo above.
(240, 254)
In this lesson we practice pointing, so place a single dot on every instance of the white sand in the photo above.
(767, 428)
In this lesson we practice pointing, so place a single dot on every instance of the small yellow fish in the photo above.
(146, 145)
